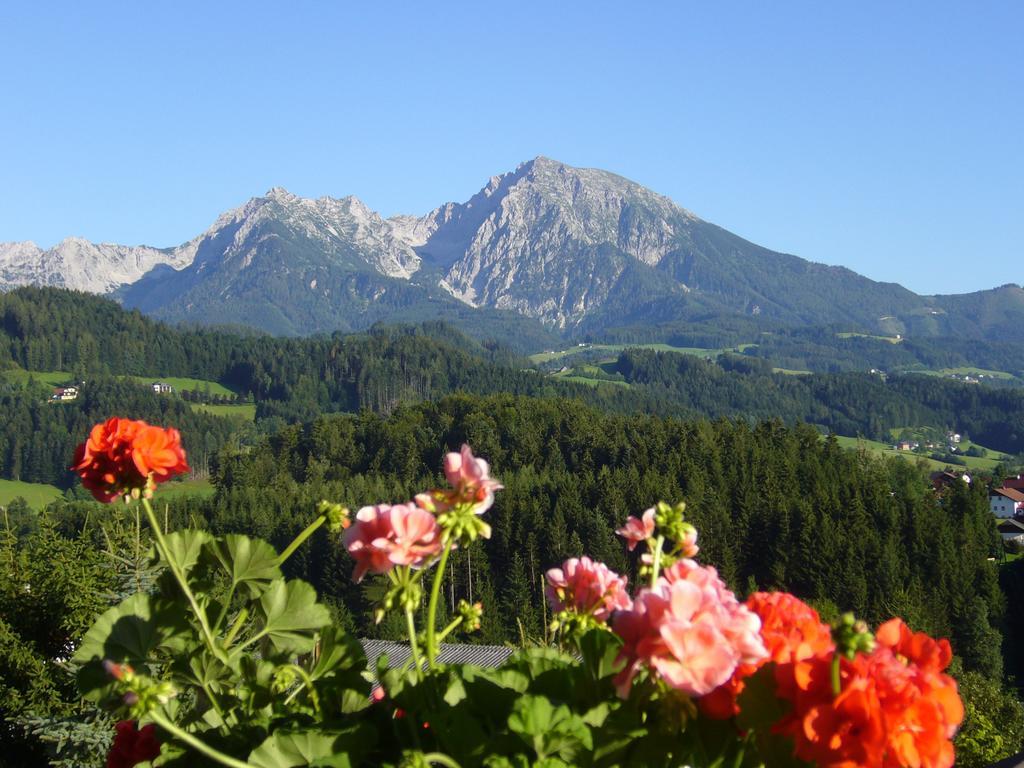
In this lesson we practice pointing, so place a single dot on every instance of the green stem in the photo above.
(435, 593)
(196, 744)
(440, 759)
(306, 533)
(658, 544)
(449, 629)
(165, 553)
(239, 621)
(411, 626)
(224, 609)
(836, 682)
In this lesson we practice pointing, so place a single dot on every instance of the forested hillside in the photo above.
(296, 380)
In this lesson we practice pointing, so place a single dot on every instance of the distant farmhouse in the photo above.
(63, 394)
(941, 480)
(1006, 502)
(162, 388)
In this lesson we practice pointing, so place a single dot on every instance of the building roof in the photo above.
(1009, 525)
(450, 653)
(1010, 493)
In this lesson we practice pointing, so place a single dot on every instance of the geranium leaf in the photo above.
(551, 731)
(291, 615)
(290, 749)
(252, 562)
(128, 633)
(185, 547)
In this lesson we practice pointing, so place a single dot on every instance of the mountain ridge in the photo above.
(577, 250)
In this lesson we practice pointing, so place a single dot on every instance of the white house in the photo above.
(162, 387)
(65, 393)
(1006, 502)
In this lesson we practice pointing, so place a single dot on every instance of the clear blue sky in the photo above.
(888, 137)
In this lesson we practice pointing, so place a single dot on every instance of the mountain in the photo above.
(572, 250)
(77, 264)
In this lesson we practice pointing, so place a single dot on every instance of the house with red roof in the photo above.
(1006, 502)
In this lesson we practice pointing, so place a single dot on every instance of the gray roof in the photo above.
(398, 653)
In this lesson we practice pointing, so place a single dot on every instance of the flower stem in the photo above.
(165, 553)
(411, 626)
(656, 566)
(449, 629)
(435, 593)
(305, 534)
(836, 682)
(195, 743)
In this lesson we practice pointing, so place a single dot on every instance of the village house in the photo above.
(162, 388)
(64, 393)
(1006, 502)
(941, 480)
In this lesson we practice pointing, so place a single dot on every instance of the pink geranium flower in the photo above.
(368, 540)
(470, 478)
(384, 536)
(587, 587)
(417, 537)
(636, 531)
(689, 629)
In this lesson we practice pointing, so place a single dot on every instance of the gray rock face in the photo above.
(77, 264)
(548, 240)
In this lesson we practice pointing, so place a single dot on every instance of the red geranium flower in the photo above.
(792, 632)
(122, 455)
(132, 745)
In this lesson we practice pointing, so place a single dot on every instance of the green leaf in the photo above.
(129, 633)
(185, 547)
(338, 651)
(551, 731)
(290, 749)
(249, 562)
(599, 650)
(292, 616)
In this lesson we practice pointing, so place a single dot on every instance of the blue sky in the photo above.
(887, 137)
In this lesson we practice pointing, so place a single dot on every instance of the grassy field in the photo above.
(183, 382)
(52, 378)
(38, 495)
(56, 378)
(246, 411)
(986, 464)
(851, 335)
(177, 488)
(544, 357)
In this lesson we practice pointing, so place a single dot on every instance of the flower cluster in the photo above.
(387, 535)
(893, 706)
(689, 629)
(587, 587)
(854, 698)
(413, 534)
(792, 632)
(123, 457)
